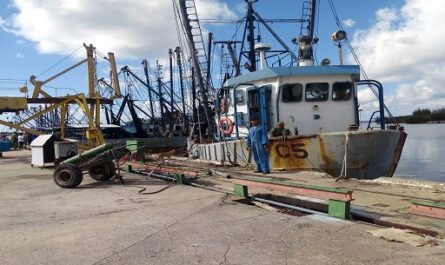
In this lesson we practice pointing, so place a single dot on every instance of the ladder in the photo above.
(198, 40)
(306, 17)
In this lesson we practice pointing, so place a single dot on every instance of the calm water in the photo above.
(423, 156)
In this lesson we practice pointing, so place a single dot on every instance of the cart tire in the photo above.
(102, 172)
(67, 176)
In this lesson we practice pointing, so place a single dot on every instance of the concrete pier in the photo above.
(109, 223)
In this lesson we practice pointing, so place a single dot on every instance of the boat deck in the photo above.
(383, 201)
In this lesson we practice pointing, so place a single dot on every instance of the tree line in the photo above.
(420, 116)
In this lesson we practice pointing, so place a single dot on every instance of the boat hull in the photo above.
(358, 154)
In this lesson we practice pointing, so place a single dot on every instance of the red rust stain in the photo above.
(288, 153)
(326, 157)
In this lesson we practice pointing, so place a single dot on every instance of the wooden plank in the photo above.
(299, 190)
(294, 184)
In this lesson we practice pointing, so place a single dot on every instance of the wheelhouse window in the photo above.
(341, 91)
(240, 97)
(317, 91)
(292, 92)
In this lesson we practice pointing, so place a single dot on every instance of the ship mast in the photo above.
(251, 35)
(194, 53)
(306, 39)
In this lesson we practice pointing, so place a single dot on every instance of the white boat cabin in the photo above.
(308, 99)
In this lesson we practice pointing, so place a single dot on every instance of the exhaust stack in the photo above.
(261, 48)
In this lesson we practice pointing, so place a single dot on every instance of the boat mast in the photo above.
(147, 78)
(306, 39)
(250, 19)
(181, 83)
(170, 53)
(194, 53)
(161, 98)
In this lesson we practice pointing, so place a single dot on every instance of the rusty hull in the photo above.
(369, 154)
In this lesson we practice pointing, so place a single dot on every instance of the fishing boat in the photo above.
(318, 104)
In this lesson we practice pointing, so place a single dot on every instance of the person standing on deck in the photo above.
(280, 131)
(258, 141)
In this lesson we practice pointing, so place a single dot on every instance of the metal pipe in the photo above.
(88, 154)
(380, 97)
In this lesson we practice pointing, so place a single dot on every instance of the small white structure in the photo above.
(42, 150)
(64, 149)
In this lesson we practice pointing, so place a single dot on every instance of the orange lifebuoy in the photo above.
(226, 126)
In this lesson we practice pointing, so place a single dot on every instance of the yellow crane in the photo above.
(90, 105)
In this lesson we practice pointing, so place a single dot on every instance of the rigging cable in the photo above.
(61, 60)
(354, 54)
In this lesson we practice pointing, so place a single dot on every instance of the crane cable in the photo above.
(61, 60)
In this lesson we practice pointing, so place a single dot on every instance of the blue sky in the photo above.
(36, 34)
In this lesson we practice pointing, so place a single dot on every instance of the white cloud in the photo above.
(406, 47)
(349, 23)
(134, 29)
(19, 55)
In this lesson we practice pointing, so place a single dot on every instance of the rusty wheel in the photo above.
(102, 171)
(67, 176)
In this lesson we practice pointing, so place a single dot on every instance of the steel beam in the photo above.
(296, 188)
(428, 208)
(57, 100)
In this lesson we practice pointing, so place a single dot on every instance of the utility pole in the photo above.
(145, 63)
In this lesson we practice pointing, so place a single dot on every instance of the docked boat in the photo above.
(318, 104)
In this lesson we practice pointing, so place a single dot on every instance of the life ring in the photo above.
(226, 126)
(224, 105)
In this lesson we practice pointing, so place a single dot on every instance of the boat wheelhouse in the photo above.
(308, 99)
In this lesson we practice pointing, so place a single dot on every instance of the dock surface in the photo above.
(110, 223)
(386, 200)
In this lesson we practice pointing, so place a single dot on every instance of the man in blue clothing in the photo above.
(258, 141)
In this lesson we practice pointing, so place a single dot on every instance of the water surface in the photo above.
(423, 156)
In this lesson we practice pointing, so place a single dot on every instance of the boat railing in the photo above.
(379, 86)
(369, 127)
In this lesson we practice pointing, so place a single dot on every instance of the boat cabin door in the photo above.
(258, 102)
